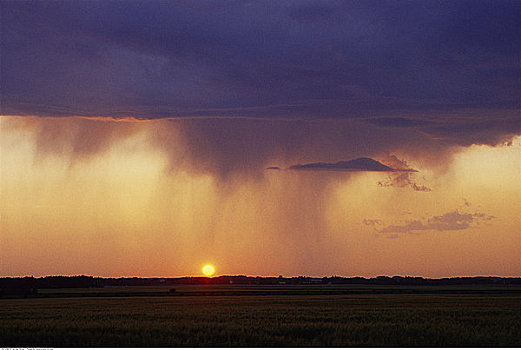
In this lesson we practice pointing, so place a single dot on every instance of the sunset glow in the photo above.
(208, 270)
(274, 139)
(129, 209)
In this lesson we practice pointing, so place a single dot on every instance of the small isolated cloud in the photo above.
(273, 168)
(402, 179)
(451, 221)
(372, 222)
(359, 164)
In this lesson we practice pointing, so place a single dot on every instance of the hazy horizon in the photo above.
(254, 276)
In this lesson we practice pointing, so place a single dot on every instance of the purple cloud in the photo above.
(395, 65)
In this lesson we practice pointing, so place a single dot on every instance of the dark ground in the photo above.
(485, 317)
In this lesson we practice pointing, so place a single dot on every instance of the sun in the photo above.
(208, 270)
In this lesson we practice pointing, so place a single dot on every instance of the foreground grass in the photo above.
(362, 320)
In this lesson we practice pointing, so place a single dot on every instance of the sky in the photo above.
(317, 138)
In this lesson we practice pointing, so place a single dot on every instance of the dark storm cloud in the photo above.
(268, 60)
(465, 127)
(237, 78)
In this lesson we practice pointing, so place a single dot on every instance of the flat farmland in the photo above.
(394, 319)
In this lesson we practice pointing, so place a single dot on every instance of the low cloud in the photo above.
(359, 164)
(451, 221)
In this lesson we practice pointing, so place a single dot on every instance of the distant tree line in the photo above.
(30, 285)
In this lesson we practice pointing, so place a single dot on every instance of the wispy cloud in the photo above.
(372, 222)
(451, 221)
(403, 179)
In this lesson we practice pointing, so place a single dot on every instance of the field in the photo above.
(430, 318)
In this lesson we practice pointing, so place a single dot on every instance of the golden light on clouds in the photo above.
(129, 206)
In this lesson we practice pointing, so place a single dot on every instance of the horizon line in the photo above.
(260, 276)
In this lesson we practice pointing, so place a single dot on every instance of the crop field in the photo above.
(429, 319)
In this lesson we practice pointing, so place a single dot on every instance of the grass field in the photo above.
(282, 320)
